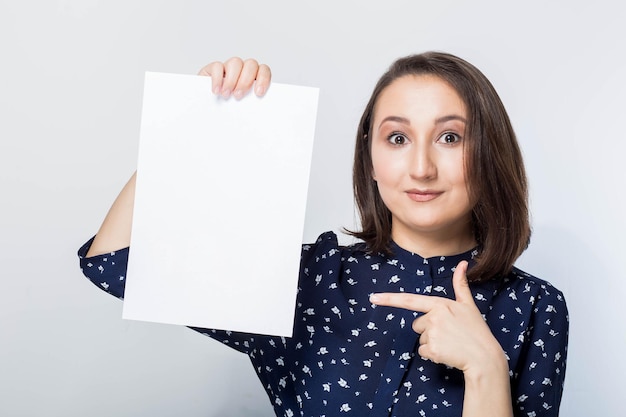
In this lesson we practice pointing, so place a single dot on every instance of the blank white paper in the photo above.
(219, 205)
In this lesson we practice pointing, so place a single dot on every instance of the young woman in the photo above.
(427, 316)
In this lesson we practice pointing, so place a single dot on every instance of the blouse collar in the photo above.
(436, 266)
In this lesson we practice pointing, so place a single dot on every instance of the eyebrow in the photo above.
(450, 117)
(398, 119)
(407, 122)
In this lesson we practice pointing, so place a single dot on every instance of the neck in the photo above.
(430, 244)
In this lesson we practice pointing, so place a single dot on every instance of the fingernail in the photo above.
(259, 90)
(216, 90)
(374, 298)
(238, 93)
(226, 92)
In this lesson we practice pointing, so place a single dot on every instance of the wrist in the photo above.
(492, 368)
(488, 388)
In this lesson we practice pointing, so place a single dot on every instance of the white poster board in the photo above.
(219, 206)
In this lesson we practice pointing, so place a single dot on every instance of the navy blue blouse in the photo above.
(349, 357)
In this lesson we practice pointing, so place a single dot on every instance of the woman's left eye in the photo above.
(449, 138)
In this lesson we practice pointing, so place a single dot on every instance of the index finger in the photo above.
(412, 302)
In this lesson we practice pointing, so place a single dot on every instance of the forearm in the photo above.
(488, 390)
(115, 230)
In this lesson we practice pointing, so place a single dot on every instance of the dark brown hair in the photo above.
(495, 173)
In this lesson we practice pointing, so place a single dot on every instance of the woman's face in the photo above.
(419, 164)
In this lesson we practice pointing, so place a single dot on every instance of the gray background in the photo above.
(71, 78)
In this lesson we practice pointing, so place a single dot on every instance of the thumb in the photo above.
(462, 291)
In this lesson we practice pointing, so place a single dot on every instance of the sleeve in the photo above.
(106, 271)
(537, 386)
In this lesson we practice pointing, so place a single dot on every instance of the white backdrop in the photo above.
(71, 76)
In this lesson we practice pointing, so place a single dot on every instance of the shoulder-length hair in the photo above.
(496, 178)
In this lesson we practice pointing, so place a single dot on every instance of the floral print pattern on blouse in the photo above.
(349, 357)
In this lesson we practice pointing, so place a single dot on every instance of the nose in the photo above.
(423, 166)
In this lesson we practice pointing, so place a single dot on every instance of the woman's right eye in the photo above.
(397, 139)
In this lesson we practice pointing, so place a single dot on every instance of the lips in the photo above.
(422, 196)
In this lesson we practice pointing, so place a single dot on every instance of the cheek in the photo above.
(459, 178)
(452, 171)
(380, 170)
(385, 165)
(455, 169)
